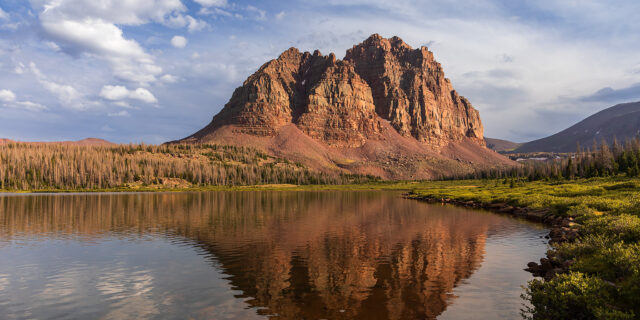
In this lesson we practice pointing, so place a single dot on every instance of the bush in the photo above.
(622, 227)
(572, 296)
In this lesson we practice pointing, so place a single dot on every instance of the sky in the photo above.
(158, 70)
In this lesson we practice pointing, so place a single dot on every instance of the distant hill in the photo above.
(621, 121)
(500, 145)
(83, 142)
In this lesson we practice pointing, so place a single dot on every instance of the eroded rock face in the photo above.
(410, 90)
(340, 109)
(342, 103)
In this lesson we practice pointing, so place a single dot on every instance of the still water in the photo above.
(251, 255)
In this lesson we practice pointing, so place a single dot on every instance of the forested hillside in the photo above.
(59, 166)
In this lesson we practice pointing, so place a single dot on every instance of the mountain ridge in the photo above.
(621, 121)
(385, 109)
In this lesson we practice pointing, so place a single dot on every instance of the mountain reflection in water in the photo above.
(289, 255)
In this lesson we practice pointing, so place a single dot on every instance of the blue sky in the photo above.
(157, 70)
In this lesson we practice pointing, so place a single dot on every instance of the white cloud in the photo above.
(260, 14)
(9, 100)
(280, 15)
(212, 3)
(169, 78)
(52, 45)
(195, 24)
(7, 95)
(31, 106)
(20, 68)
(217, 11)
(179, 41)
(180, 20)
(123, 104)
(128, 59)
(92, 27)
(3, 14)
(115, 93)
(143, 95)
(129, 12)
(65, 93)
(122, 113)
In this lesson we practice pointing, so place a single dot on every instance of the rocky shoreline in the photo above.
(563, 229)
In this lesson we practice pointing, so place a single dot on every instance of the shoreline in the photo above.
(562, 229)
(392, 185)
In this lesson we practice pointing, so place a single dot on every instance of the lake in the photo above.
(252, 255)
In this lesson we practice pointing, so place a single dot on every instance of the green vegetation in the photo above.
(598, 161)
(59, 167)
(603, 277)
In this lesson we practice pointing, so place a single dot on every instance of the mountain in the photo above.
(621, 121)
(500, 145)
(83, 142)
(385, 109)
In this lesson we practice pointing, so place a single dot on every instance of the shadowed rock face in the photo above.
(342, 102)
(410, 90)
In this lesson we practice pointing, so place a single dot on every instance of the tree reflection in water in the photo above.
(303, 255)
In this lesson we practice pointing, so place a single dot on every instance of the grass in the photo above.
(603, 274)
(607, 195)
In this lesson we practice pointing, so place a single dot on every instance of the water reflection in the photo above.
(290, 255)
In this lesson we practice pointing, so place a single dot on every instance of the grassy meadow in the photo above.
(602, 280)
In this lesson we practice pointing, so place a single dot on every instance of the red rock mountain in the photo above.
(385, 109)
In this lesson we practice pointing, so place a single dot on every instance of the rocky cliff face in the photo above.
(410, 90)
(385, 109)
(342, 102)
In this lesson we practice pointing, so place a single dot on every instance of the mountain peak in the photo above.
(383, 90)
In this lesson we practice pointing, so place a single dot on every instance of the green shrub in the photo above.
(622, 227)
(572, 296)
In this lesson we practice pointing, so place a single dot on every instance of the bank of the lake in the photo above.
(593, 269)
(377, 185)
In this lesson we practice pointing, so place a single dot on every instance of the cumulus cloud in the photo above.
(179, 41)
(104, 40)
(9, 100)
(92, 27)
(280, 15)
(116, 93)
(181, 20)
(169, 78)
(212, 3)
(7, 95)
(67, 94)
(31, 106)
(195, 24)
(3, 14)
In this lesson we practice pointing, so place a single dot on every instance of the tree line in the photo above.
(58, 166)
(600, 160)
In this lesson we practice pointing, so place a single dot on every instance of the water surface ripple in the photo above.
(246, 255)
